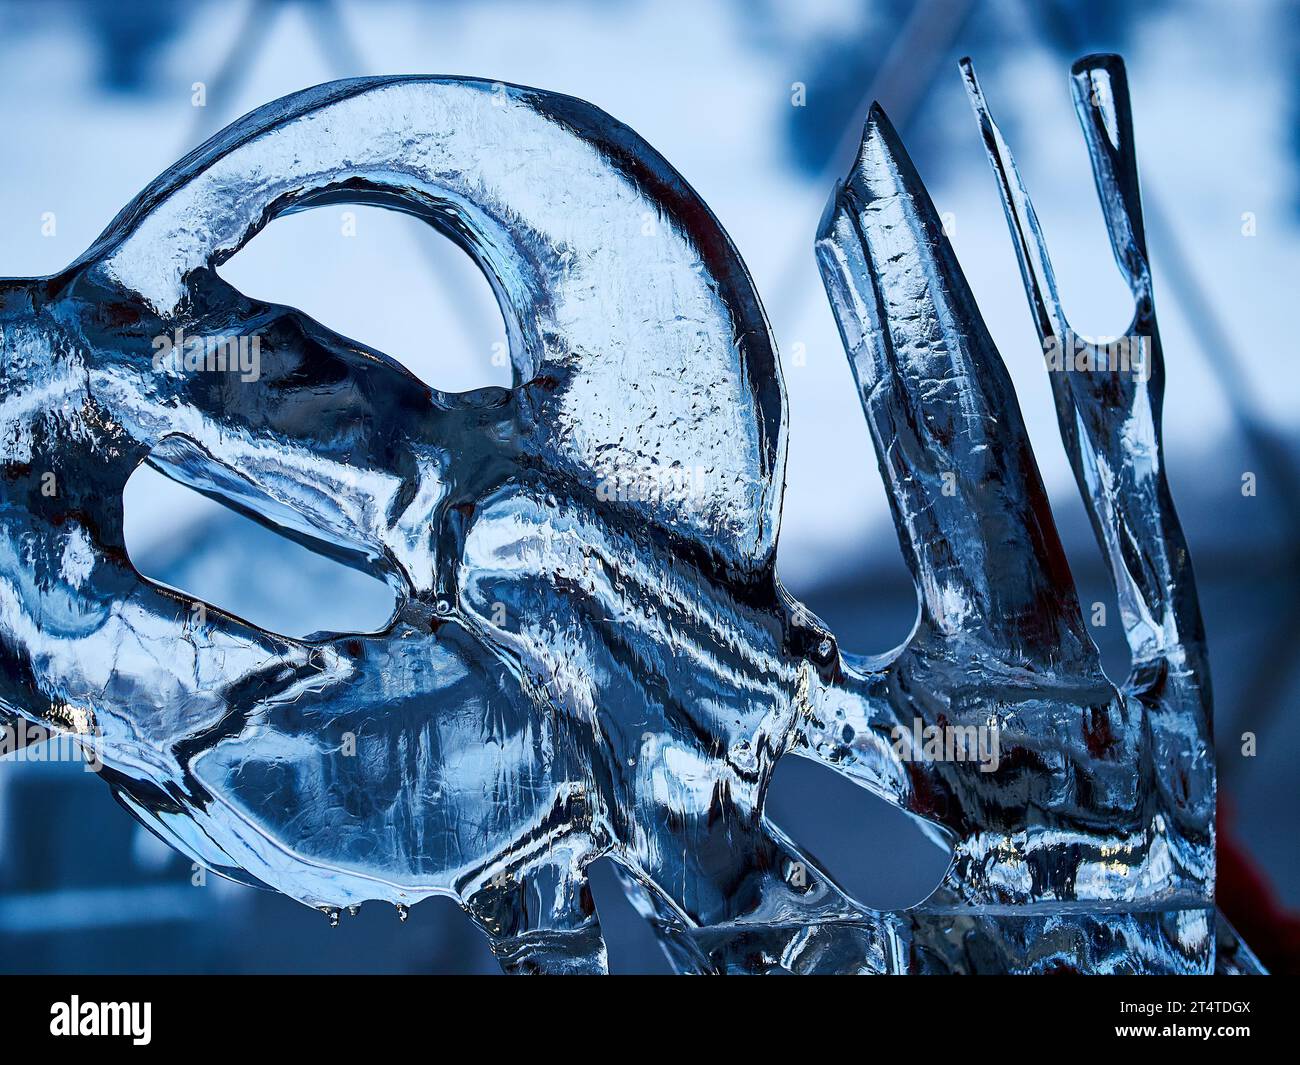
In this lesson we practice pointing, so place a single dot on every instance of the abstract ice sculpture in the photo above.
(592, 654)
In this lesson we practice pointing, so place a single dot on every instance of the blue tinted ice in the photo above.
(592, 654)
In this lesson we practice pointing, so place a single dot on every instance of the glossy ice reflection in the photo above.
(592, 654)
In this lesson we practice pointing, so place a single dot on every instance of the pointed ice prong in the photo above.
(1101, 99)
(1031, 249)
(968, 501)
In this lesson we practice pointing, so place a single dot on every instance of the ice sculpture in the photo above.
(593, 655)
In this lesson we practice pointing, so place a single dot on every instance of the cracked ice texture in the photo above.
(575, 672)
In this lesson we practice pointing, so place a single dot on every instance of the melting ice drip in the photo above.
(573, 672)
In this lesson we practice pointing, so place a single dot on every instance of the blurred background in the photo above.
(759, 106)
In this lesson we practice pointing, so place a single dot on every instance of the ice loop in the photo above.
(593, 655)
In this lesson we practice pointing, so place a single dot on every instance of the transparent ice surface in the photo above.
(592, 655)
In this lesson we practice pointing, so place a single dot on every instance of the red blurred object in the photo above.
(1248, 900)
